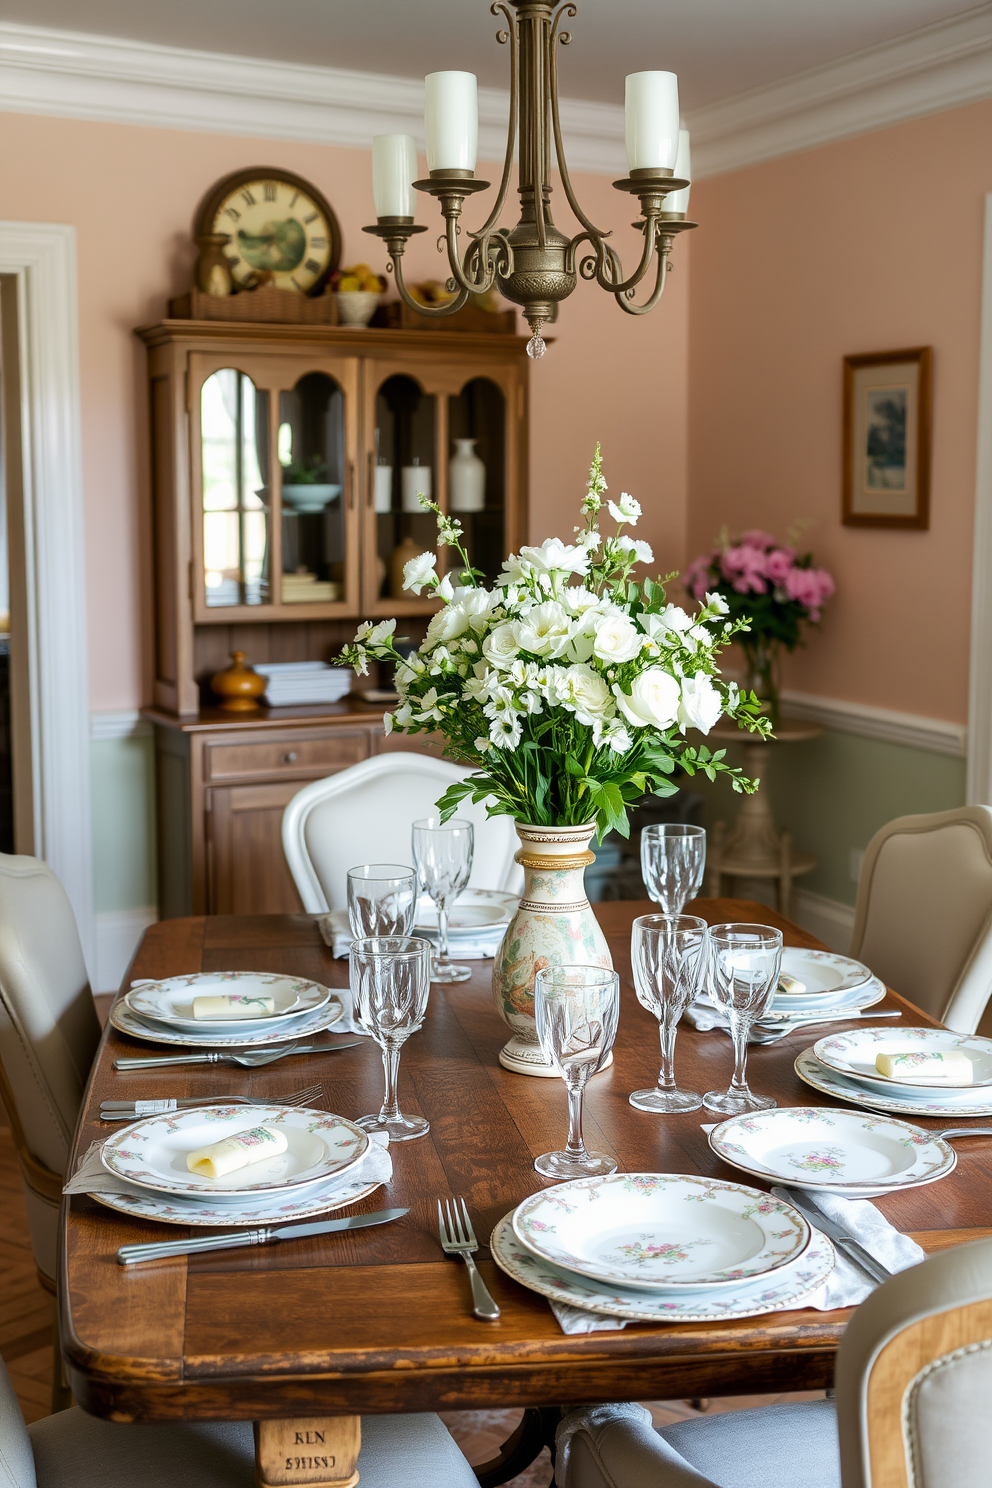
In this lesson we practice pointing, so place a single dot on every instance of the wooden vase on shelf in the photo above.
(238, 686)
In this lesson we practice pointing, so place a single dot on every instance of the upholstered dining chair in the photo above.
(923, 921)
(913, 1385)
(74, 1450)
(364, 815)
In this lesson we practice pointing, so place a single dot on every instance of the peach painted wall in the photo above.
(870, 244)
(131, 192)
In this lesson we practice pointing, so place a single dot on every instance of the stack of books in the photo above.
(292, 683)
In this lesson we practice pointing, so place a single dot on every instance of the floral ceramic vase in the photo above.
(554, 926)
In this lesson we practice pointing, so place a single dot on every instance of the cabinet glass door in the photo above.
(404, 464)
(312, 460)
(477, 471)
(234, 433)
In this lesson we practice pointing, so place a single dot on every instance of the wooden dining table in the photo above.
(305, 1337)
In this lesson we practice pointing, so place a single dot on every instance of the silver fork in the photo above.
(458, 1238)
(125, 1110)
(250, 1059)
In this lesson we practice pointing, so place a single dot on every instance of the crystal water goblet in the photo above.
(382, 899)
(442, 852)
(744, 965)
(576, 1010)
(673, 857)
(668, 957)
(390, 982)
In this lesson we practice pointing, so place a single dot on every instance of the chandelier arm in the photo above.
(566, 181)
(511, 133)
(432, 312)
(656, 294)
(462, 272)
(647, 254)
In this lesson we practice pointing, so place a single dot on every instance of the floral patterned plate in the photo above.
(276, 1210)
(474, 913)
(823, 974)
(836, 1007)
(818, 1147)
(171, 1001)
(152, 1153)
(661, 1231)
(853, 1055)
(951, 1103)
(125, 1020)
(788, 1288)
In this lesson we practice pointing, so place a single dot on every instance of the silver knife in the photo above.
(252, 1059)
(853, 1249)
(131, 1255)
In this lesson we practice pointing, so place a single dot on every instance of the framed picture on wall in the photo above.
(887, 439)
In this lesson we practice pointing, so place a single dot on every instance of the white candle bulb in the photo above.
(451, 120)
(678, 201)
(652, 119)
(394, 167)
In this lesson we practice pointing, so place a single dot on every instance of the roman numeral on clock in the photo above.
(312, 218)
(318, 242)
(312, 265)
(233, 213)
(269, 190)
(247, 198)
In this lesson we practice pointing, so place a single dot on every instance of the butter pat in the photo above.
(224, 1008)
(221, 1158)
(790, 985)
(936, 1067)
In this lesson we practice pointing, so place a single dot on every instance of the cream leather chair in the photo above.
(73, 1450)
(48, 1037)
(364, 814)
(923, 921)
(914, 1382)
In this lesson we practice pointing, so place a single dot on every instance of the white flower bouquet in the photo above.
(570, 685)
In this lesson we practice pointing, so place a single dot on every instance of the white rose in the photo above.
(653, 700)
(701, 704)
(554, 556)
(419, 571)
(445, 626)
(625, 510)
(641, 551)
(476, 604)
(543, 630)
(668, 626)
(616, 639)
(583, 692)
(577, 600)
(501, 647)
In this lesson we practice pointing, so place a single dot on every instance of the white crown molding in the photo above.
(78, 76)
(943, 66)
(933, 734)
(123, 725)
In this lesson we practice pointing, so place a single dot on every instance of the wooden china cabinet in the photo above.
(285, 460)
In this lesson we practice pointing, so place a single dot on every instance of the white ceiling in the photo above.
(719, 48)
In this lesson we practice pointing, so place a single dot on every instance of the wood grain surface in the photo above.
(380, 1320)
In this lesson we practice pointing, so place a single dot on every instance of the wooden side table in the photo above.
(754, 847)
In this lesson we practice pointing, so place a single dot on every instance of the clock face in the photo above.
(282, 232)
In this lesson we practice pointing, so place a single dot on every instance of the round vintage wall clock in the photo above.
(282, 231)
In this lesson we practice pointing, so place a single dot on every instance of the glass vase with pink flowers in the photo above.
(772, 587)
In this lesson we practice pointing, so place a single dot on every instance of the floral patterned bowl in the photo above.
(661, 1231)
(853, 1055)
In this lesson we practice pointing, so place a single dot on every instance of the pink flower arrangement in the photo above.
(755, 563)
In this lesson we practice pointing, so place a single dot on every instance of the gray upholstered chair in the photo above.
(914, 1383)
(74, 1450)
(923, 921)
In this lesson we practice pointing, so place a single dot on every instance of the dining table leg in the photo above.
(321, 1452)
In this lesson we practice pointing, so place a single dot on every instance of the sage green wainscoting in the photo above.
(125, 891)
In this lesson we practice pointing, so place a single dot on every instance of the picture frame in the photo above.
(887, 426)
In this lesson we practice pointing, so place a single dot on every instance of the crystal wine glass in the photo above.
(668, 956)
(442, 852)
(745, 961)
(382, 899)
(390, 981)
(576, 1010)
(673, 857)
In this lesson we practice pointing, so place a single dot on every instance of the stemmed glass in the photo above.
(390, 980)
(442, 852)
(668, 956)
(576, 1010)
(673, 857)
(382, 899)
(745, 961)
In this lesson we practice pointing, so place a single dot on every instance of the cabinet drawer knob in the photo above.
(289, 758)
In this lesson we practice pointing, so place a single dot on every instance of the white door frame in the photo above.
(41, 258)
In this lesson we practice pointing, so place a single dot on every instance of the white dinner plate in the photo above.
(831, 1150)
(171, 1001)
(661, 1231)
(152, 1153)
(950, 1105)
(126, 1021)
(475, 912)
(280, 1209)
(822, 973)
(786, 1289)
(853, 1055)
(832, 1008)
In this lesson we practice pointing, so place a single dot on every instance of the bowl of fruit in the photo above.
(357, 291)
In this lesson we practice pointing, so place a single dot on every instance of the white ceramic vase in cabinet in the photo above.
(466, 478)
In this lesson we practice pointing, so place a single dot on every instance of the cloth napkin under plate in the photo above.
(336, 934)
(92, 1177)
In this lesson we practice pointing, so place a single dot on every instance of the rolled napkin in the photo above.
(926, 1067)
(234, 1006)
(227, 1156)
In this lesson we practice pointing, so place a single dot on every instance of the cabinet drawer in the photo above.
(286, 756)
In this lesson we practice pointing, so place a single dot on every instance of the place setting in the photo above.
(910, 1072)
